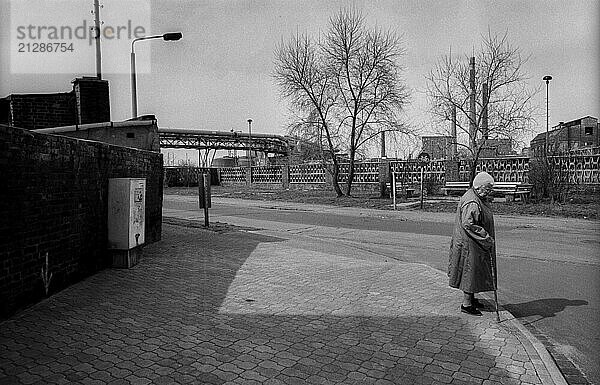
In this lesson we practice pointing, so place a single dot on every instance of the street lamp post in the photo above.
(168, 37)
(547, 78)
(250, 142)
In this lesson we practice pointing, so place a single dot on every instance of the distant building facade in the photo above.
(574, 135)
(437, 146)
(495, 148)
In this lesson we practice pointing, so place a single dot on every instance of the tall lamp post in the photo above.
(168, 37)
(547, 78)
(250, 142)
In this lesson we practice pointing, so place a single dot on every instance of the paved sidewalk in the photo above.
(239, 307)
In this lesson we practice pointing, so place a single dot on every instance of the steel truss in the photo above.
(221, 140)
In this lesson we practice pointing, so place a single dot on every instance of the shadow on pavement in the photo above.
(543, 308)
(162, 322)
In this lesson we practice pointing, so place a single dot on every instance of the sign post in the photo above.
(394, 188)
(424, 159)
(204, 201)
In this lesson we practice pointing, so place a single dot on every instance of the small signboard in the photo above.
(204, 196)
(424, 158)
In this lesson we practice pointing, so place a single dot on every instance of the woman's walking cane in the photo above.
(495, 278)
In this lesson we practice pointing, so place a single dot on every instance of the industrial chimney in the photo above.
(472, 127)
(484, 112)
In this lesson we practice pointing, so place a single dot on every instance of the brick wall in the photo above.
(88, 102)
(54, 199)
(41, 110)
(142, 134)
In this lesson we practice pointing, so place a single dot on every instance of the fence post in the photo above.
(451, 172)
(219, 183)
(285, 176)
(248, 171)
(329, 177)
(384, 176)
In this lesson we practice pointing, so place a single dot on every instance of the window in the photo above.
(589, 130)
(130, 135)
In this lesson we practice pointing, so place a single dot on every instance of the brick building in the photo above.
(437, 146)
(574, 135)
(495, 148)
(87, 102)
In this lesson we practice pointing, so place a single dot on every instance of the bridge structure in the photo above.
(205, 142)
(222, 140)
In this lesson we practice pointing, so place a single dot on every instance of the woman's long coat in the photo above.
(472, 249)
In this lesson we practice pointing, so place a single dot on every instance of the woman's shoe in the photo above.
(472, 310)
(478, 305)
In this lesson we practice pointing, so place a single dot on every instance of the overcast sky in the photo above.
(219, 74)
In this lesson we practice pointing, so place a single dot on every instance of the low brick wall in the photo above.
(54, 199)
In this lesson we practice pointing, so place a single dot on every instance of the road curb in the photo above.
(545, 367)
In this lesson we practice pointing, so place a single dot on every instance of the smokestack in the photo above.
(453, 134)
(383, 144)
(484, 112)
(472, 127)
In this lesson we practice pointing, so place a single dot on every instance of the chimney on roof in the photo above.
(92, 99)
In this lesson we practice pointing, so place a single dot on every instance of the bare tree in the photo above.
(492, 103)
(549, 173)
(346, 87)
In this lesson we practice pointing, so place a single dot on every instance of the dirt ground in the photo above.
(580, 206)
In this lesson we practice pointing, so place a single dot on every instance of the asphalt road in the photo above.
(549, 269)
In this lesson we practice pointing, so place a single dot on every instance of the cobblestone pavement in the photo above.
(239, 307)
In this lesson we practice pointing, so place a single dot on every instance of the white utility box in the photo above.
(126, 219)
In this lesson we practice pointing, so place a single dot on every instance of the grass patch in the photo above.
(579, 206)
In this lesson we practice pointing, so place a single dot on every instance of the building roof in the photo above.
(436, 136)
(575, 122)
(541, 136)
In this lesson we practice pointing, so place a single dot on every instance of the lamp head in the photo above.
(249, 120)
(547, 78)
(172, 36)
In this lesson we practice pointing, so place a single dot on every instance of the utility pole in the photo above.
(97, 38)
(250, 142)
(547, 79)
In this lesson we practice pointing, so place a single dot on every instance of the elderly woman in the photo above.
(472, 249)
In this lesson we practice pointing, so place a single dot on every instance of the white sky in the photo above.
(219, 74)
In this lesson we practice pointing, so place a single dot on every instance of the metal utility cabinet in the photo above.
(126, 220)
